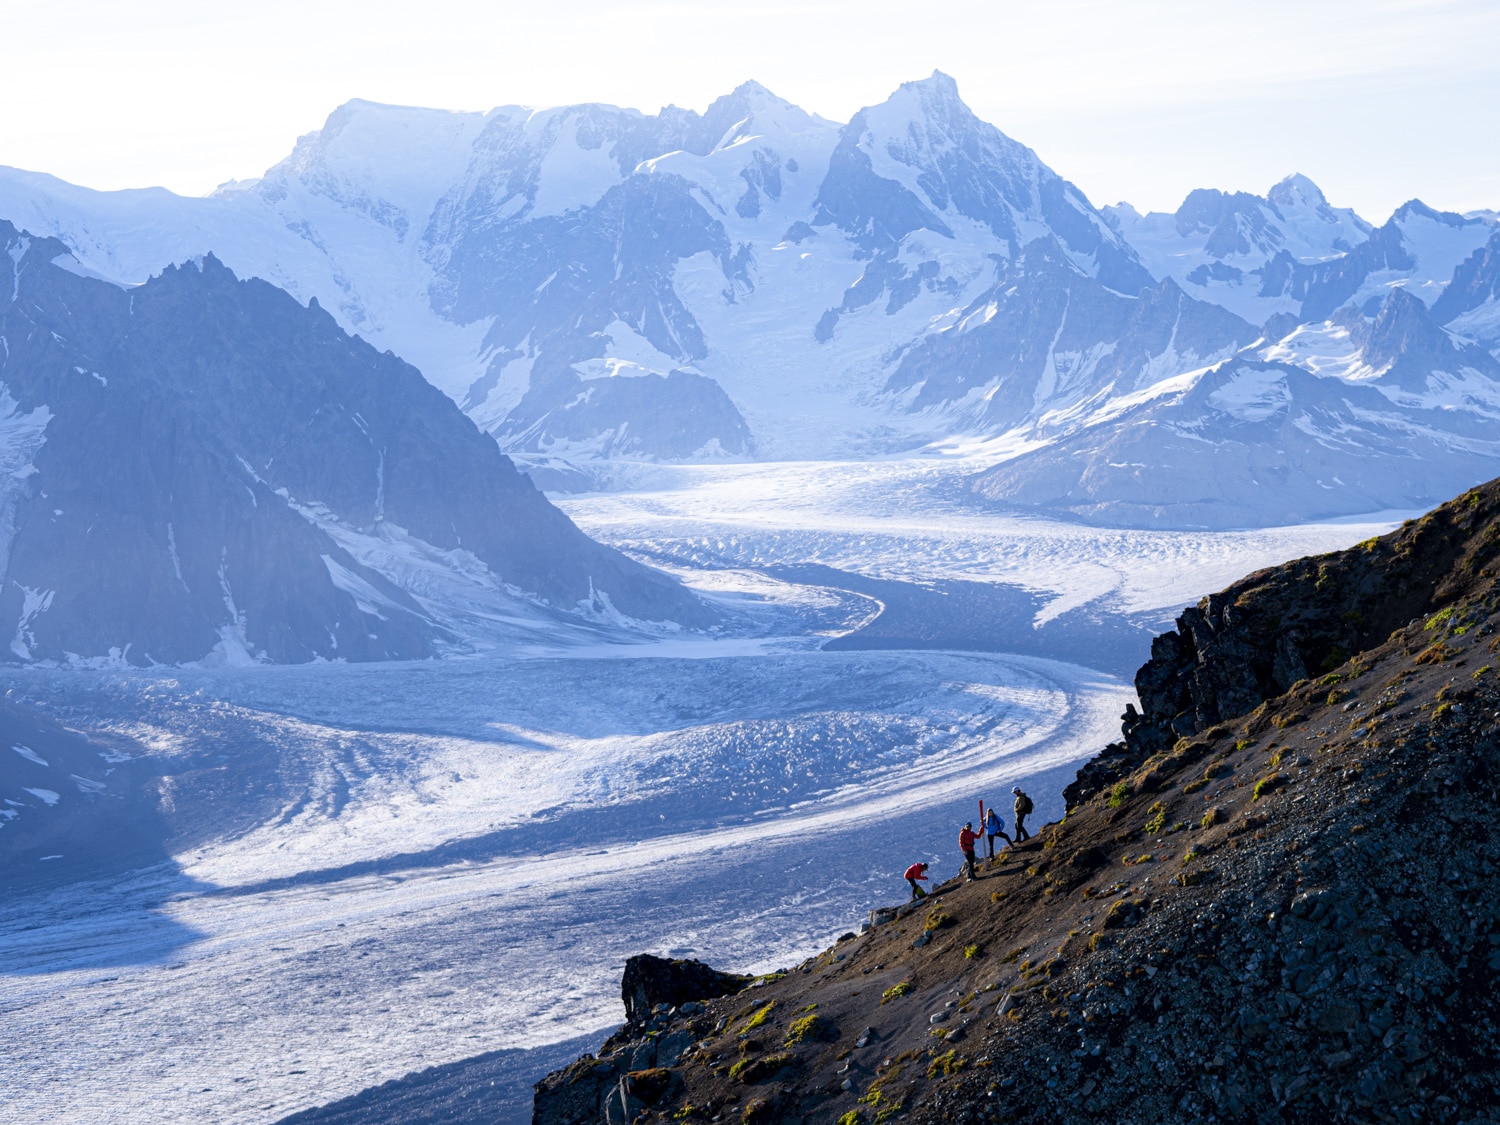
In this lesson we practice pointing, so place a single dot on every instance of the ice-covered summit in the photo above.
(922, 160)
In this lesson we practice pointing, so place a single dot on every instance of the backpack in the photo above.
(1025, 806)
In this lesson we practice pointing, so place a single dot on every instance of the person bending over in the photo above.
(913, 873)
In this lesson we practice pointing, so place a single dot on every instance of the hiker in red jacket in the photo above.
(966, 841)
(913, 873)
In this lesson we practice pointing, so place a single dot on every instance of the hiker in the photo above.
(1023, 810)
(913, 873)
(966, 841)
(994, 826)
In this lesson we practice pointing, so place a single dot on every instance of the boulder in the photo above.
(649, 981)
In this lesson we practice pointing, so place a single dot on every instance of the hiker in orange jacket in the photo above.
(967, 838)
(913, 873)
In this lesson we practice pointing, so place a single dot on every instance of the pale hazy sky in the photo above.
(1376, 100)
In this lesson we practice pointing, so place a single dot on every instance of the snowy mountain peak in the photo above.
(936, 88)
(382, 160)
(748, 97)
(933, 116)
(1120, 214)
(1297, 190)
(751, 110)
(921, 160)
(1416, 209)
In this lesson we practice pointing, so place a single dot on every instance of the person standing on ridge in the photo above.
(966, 841)
(913, 873)
(1023, 809)
(994, 826)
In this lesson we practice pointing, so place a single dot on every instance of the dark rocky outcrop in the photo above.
(664, 1019)
(649, 982)
(1253, 641)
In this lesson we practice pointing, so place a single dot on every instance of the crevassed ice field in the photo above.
(452, 858)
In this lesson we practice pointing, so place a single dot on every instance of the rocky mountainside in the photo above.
(1271, 902)
(201, 467)
(1470, 304)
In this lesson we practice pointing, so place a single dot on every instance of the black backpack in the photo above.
(1024, 806)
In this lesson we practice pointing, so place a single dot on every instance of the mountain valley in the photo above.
(491, 546)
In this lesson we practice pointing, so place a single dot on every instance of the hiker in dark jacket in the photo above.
(1023, 809)
(966, 841)
(913, 873)
(994, 826)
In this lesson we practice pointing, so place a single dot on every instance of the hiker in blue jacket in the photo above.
(994, 826)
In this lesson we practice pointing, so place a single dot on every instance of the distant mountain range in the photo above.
(201, 468)
(754, 281)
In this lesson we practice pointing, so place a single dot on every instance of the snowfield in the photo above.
(382, 868)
